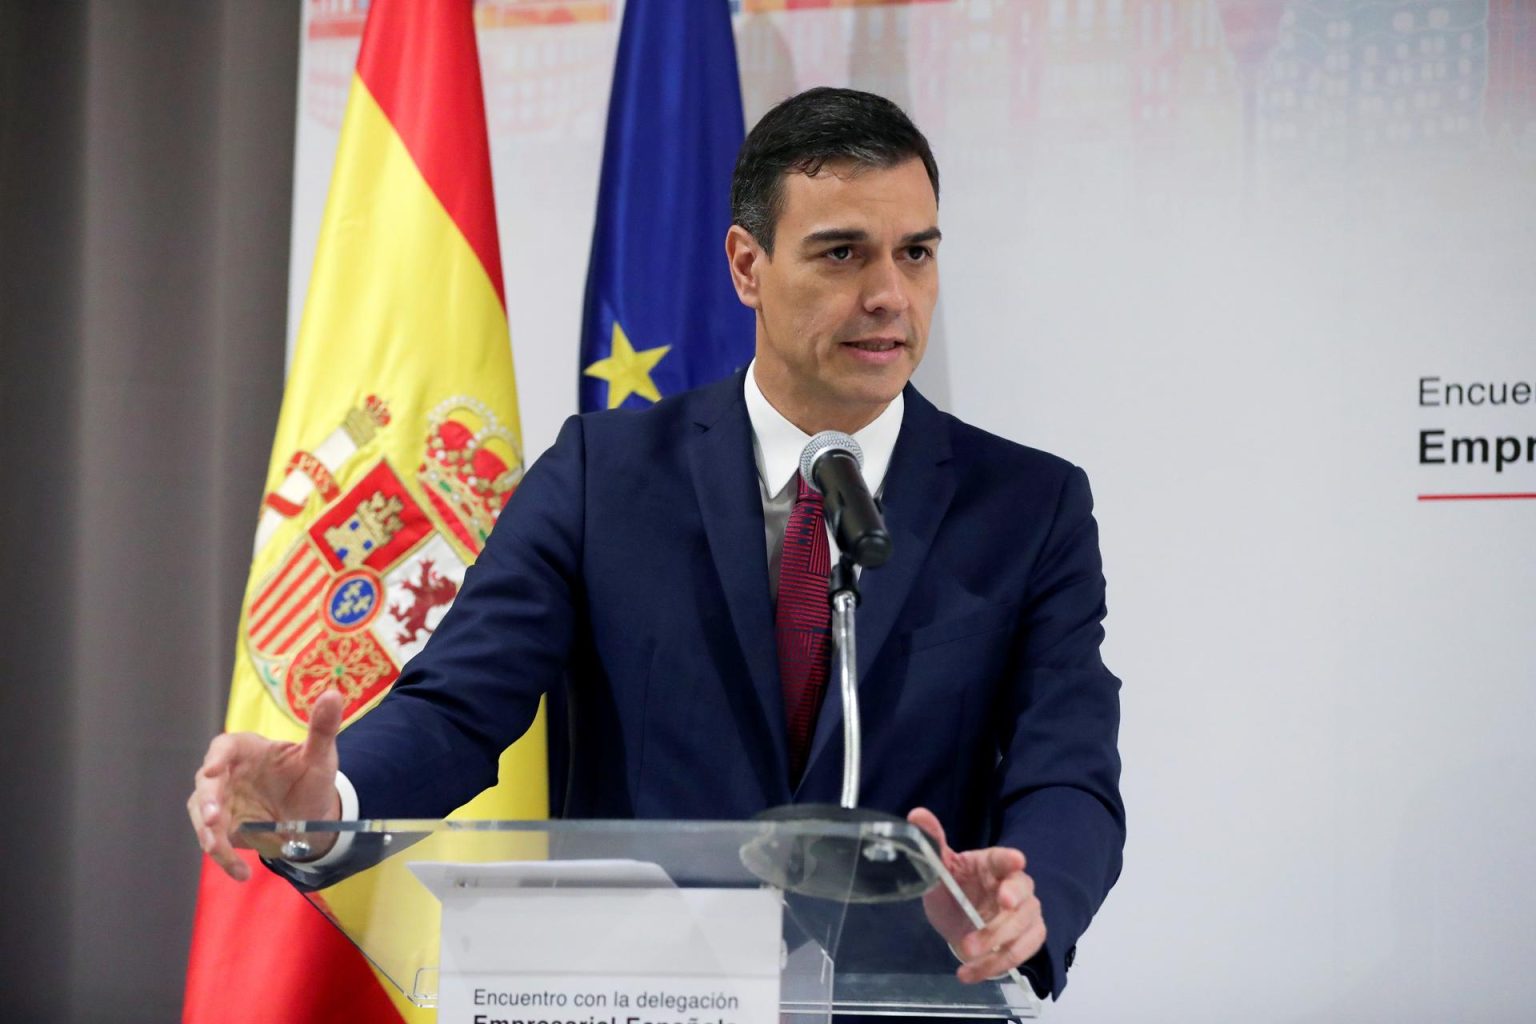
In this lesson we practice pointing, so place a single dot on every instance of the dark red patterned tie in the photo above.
(803, 622)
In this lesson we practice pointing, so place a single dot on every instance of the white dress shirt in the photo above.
(776, 446)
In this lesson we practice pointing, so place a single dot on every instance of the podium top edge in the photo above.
(897, 830)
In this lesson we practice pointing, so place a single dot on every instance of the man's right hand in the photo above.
(246, 777)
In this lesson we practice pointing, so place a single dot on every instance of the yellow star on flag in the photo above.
(627, 372)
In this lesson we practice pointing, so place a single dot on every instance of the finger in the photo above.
(216, 844)
(324, 724)
(209, 799)
(206, 809)
(1000, 961)
(195, 813)
(999, 862)
(1012, 890)
(221, 754)
(233, 865)
(209, 806)
(928, 822)
(1000, 956)
(1002, 929)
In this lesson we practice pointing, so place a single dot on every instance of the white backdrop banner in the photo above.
(1267, 269)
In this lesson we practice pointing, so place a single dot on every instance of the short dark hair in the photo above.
(808, 130)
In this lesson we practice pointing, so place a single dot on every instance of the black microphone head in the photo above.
(872, 549)
(821, 444)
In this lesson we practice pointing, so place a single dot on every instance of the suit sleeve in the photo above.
(434, 741)
(1059, 773)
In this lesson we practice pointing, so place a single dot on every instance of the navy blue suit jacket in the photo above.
(630, 567)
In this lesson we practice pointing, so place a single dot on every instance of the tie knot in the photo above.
(806, 491)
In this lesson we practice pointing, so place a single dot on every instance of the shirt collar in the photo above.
(777, 443)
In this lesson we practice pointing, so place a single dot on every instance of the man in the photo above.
(640, 560)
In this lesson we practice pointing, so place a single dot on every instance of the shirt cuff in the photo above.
(343, 845)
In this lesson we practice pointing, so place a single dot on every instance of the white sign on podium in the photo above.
(602, 942)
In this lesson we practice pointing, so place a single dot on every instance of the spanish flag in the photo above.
(397, 447)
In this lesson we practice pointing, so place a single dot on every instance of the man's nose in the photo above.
(885, 288)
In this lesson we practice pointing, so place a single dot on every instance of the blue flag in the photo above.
(661, 316)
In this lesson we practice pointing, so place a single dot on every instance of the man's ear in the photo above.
(743, 253)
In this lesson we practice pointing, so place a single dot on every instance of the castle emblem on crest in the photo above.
(362, 589)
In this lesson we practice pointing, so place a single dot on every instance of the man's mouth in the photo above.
(874, 344)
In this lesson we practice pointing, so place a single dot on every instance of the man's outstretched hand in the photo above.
(994, 881)
(246, 777)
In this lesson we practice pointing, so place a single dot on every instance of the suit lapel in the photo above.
(918, 488)
(730, 501)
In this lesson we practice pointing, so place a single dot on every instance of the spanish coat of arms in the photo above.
(361, 590)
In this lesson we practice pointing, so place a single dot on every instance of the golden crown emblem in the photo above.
(472, 465)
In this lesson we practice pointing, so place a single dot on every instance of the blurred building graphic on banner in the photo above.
(1347, 82)
(1241, 93)
(535, 83)
(333, 19)
(532, 13)
(1510, 117)
(544, 76)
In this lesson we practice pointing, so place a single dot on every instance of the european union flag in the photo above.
(661, 316)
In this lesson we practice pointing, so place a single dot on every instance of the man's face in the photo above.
(845, 301)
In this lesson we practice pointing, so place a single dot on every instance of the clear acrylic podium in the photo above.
(856, 936)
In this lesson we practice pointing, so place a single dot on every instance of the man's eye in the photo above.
(840, 254)
(919, 253)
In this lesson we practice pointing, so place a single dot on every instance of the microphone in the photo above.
(831, 465)
(875, 864)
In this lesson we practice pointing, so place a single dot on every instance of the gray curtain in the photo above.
(145, 177)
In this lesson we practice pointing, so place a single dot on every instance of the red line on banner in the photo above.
(1478, 497)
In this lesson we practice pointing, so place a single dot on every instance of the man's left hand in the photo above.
(996, 885)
